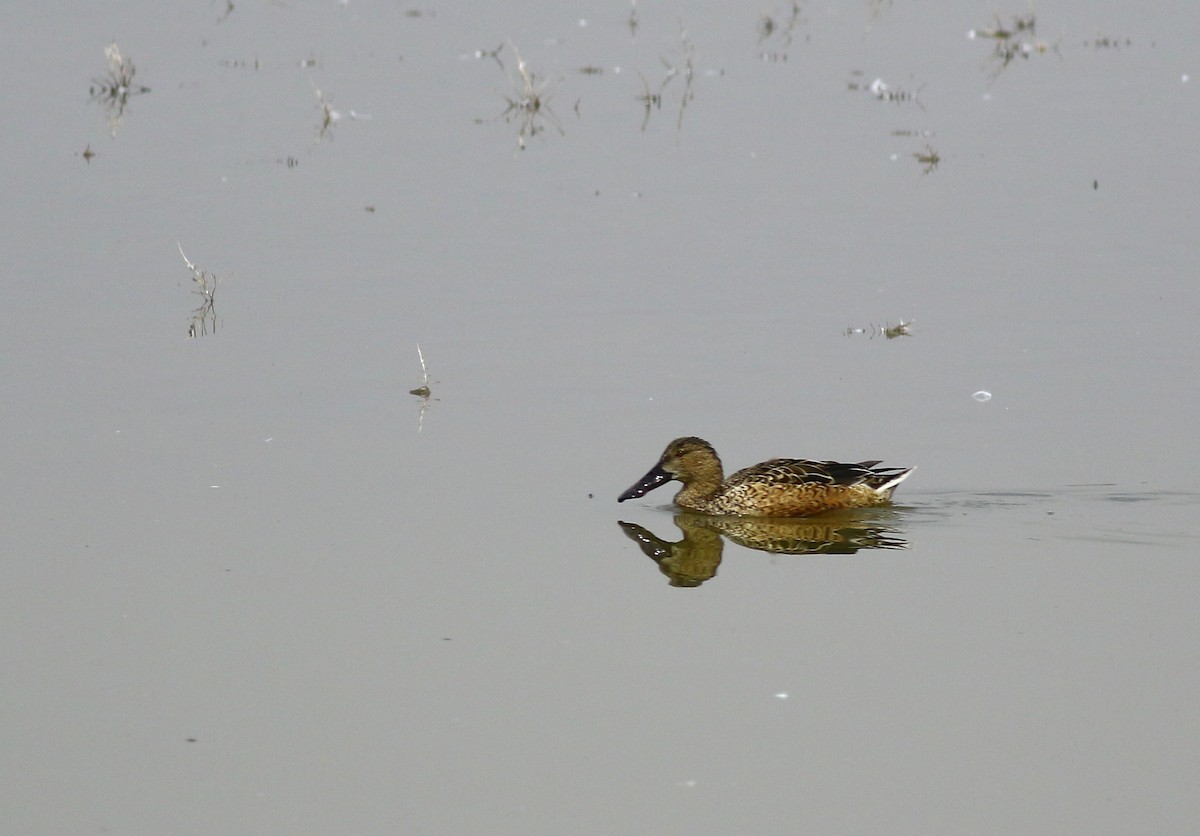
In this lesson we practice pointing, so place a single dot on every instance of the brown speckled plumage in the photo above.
(775, 488)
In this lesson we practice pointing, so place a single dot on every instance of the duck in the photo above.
(774, 488)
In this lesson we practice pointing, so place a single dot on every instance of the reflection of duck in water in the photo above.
(694, 559)
(775, 488)
(688, 562)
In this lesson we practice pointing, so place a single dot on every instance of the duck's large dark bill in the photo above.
(647, 483)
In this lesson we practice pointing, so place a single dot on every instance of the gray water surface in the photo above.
(253, 585)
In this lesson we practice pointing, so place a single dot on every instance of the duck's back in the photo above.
(799, 487)
(803, 472)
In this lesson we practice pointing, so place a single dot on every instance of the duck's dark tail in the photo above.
(885, 479)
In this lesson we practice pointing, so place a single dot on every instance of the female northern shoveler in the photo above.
(775, 488)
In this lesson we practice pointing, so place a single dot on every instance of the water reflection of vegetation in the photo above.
(529, 106)
(882, 91)
(1105, 42)
(1017, 40)
(205, 283)
(781, 30)
(687, 69)
(888, 330)
(928, 158)
(424, 392)
(650, 99)
(694, 559)
(328, 114)
(114, 89)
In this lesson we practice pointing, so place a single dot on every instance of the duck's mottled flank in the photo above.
(775, 488)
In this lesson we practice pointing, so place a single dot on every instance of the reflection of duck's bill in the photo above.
(657, 476)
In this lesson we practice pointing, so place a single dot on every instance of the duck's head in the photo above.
(686, 459)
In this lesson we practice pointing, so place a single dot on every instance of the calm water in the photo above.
(255, 586)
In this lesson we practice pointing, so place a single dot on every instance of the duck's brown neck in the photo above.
(702, 485)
